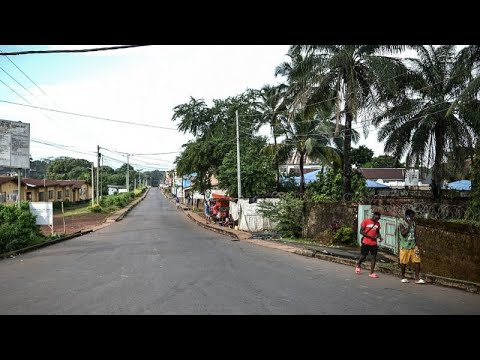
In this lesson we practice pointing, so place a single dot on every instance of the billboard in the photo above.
(43, 212)
(14, 144)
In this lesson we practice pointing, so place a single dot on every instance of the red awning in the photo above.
(221, 197)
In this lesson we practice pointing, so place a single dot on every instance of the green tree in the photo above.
(257, 173)
(66, 168)
(328, 187)
(309, 130)
(215, 132)
(383, 161)
(361, 155)
(273, 107)
(286, 214)
(353, 77)
(473, 212)
(469, 62)
(419, 122)
(310, 137)
(38, 168)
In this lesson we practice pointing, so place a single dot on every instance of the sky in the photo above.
(140, 85)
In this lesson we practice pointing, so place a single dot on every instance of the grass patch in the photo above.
(74, 210)
(84, 209)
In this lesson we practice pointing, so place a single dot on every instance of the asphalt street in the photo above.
(158, 261)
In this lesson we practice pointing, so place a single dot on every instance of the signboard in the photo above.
(14, 144)
(43, 212)
(411, 177)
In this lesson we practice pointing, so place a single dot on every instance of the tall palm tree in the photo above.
(469, 62)
(310, 135)
(353, 76)
(420, 123)
(273, 108)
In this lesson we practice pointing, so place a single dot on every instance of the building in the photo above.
(292, 165)
(396, 178)
(43, 190)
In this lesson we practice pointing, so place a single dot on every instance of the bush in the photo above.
(17, 228)
(117, 200)
(96, 208)
(287, 214)
(57, 205)
(345, 236)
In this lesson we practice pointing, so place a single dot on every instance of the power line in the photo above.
(34, 83)
(62, 147)
(69, 51)
(153, 166)
(89, 116)
(15, 80)
(28, 77)
(4, 83)
(143, 157)
(22, 87)
(164, 153)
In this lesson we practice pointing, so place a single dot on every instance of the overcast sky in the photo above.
(140, 85)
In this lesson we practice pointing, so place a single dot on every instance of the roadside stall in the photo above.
(220, 205)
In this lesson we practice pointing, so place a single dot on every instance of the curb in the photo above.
(234, 235)
(44, 244)
(222, 231)
(108, 221)
(429, 278)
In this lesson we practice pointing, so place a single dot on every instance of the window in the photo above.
(67, 193)
(41, 196)
(59, 195)
(29, 196)
(50, 194)
(3, 197)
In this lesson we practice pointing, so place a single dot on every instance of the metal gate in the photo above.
(388, 225)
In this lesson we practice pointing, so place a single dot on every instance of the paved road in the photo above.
(157, 261)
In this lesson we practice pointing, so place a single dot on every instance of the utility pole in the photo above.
(19, 187)
(93, 180)
(101, 176)
(98, 169)
(128, 170)
(174, 184)
(239, 180)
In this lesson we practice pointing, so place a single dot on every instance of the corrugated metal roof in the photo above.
(383, 173)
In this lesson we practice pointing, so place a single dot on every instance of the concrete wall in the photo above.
(9, 188)
(449, 253)
(321, 216)
(449, 249)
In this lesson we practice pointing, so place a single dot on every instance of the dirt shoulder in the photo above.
(74, 223)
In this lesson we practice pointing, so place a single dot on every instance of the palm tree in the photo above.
(469, 62)
(420, 123)
(352, 77)
(273, 108)
(310, 135)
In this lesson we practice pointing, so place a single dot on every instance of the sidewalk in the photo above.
(386, 263)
